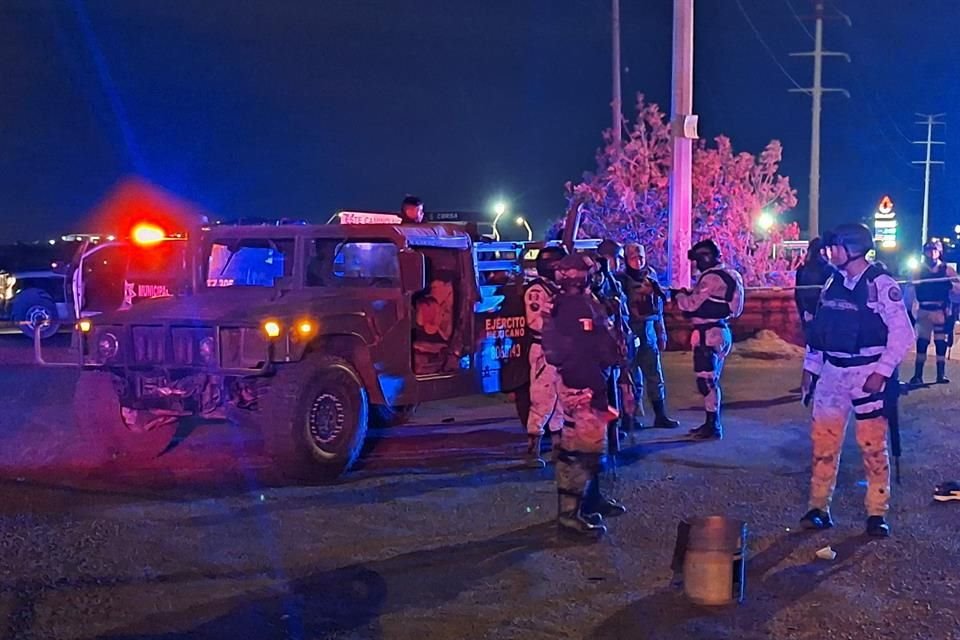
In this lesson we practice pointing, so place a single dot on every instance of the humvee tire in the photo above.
(96, 409)
(313, 416)
(382, 415)
(35, 310)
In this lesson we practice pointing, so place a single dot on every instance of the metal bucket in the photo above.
(714, 554)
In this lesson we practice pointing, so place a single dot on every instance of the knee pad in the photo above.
(704, 359)
(704, 386)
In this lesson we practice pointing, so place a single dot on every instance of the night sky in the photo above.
(297, 108)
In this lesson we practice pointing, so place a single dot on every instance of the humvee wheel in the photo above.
(100, 424)
(313, 416)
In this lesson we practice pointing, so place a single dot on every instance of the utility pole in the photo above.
(617, 126)
(684, 130)
(816, 92)
(929, 119)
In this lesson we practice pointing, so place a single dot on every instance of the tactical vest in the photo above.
(843, 322)
(934, 295)
(642, 305)
(714, 309)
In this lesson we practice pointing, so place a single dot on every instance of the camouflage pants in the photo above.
(544, 400)
(710, 348)
(931, 322)
(582, 445)
(645, 365)
(840, 390)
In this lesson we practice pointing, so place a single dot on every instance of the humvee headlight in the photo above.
(271, 328)
(107, 346)
(207, 349)
(85, 326)
(305, 328)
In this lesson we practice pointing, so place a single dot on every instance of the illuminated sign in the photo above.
(885, 224)
(363, 217)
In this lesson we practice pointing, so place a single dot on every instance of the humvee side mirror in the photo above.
(413, 271)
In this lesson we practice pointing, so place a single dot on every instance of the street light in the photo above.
(521, 221)
(499, 208)
(765, 221)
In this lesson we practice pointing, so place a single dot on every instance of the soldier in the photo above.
(811, 276)
(859, 335)
(578, 340)
(645, 301)
(607, 288)
(411, 210)
(544, 408)
(937, 282)
(717, 297)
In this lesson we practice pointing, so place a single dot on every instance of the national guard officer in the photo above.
(545, 412)
(645, 301)
(932, 293)
(859, 335)
(578, 340)
(717, 297)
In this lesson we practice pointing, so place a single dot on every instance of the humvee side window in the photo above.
(336, 263)
(248, 262)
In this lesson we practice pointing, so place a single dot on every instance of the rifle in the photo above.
(891, 407)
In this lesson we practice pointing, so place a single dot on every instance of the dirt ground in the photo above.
(439, 534)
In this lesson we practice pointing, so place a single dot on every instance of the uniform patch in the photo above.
(895, 294)
(586, 324)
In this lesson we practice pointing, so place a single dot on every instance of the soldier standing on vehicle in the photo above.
(411, 210)
(545, 412)
(937, 281)
(645, 301)
(578, 340)
(859, 335)
(717, 297)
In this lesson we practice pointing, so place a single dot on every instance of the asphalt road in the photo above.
(439, 534)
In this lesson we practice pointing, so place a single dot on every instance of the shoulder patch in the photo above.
(895, 294)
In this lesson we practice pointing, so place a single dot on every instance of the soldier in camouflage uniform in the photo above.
(936, 281)
(645, 304)
(578, 340)
(859, 335)
(717, 297)
(545, 411)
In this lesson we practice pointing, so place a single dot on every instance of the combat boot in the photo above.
(596, 503)
(816, 519)
(917, 378)
(572, 479)
(709, 430)
(942, 373)
(877, 527)
(662, 420)
(533, 459)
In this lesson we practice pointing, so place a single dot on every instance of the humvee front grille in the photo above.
(148, 345)
(186, 344)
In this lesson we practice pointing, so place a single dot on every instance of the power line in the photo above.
(799, 21)
(770, 52)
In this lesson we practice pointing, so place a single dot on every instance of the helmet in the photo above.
(634, 249)
(933, 245)
(708, 245)
(855, 238)
(609, 248)
(547, 260)
(575, 262)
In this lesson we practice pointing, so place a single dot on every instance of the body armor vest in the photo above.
(844, 323)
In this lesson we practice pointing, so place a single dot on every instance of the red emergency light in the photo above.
(145, 233)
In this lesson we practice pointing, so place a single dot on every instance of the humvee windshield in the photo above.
(249, 262)
(336, 263)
